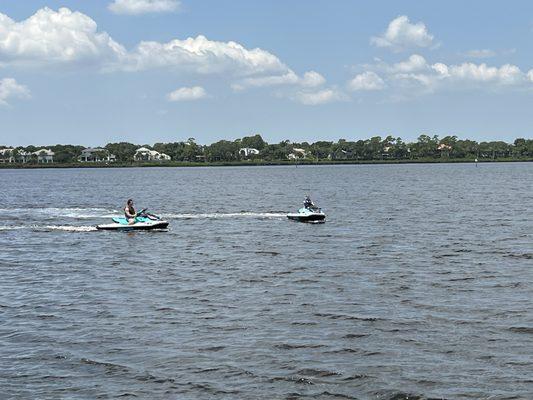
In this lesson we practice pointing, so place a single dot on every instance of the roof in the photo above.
(151, 152)
(44, 152)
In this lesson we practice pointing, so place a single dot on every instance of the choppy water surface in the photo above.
(420, 284)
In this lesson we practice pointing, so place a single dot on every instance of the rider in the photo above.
(129, 212)
(308, 203)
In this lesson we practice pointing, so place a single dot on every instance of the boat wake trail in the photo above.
(95, 212)
(243, 214)
(64, 212)
(66, 228)
(49, 228)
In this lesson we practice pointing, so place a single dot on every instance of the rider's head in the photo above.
(130, 202)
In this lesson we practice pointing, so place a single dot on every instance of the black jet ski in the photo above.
(143, 221)
(304, 214)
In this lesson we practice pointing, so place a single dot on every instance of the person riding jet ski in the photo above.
(309, 213)
(135, 220)
(308, 203)
(129, 212)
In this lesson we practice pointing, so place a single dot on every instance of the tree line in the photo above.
(376, 148)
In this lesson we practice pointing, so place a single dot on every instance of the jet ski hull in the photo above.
(306, 215)
(138, 226)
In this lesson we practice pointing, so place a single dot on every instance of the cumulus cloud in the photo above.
(309, 79)
(187, 94)
(402, 34)
(505, 75)
(9, 88)
(313, 98)
(203, 56)
(312, 79)
(49, 37)
(416, 76)
(136, 7)
(414, 63)
(367, 81)
(67, 37)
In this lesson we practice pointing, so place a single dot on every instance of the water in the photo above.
(419, 284)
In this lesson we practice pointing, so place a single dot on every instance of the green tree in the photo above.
(124, 151)
(255, 142)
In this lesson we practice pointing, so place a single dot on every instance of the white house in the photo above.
(248, 151)
(44, 156)
(24, 156)
(145, 154)
(6, 155)
(297, 154)
(96, 154)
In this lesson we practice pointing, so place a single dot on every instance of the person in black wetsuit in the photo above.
(129, 212)
(308, 203)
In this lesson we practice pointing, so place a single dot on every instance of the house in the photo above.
(297, 154)
(44, 156)
(96, 154)
(145, 154)
(6, 155)
(24, 156)
(444, 149)
(248, 151)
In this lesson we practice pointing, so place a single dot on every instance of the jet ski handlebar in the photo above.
(143, 213)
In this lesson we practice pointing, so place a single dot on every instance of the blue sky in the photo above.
(92, 72)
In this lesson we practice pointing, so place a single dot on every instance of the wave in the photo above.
(97, 212)
(49, 228)
(67, 228)
(65, 212)
(243, 214)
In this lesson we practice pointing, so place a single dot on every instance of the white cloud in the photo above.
(9, 88)
(483, 53)
(187, 94)
(402, 34)
(481, 73)
(319, 97)
(136, 7)
(415, 76)
(310, 79)
(49, 37)
(368, 81)
(414, 63)
(203, 56)
(67, 37)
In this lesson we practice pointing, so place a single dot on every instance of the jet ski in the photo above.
(305, 214)
(143, 221)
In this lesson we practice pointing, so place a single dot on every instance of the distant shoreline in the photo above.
(255, 163)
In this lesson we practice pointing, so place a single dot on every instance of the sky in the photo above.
(90, 72)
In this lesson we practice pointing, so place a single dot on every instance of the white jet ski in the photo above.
(143, 222)
(304, 214)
